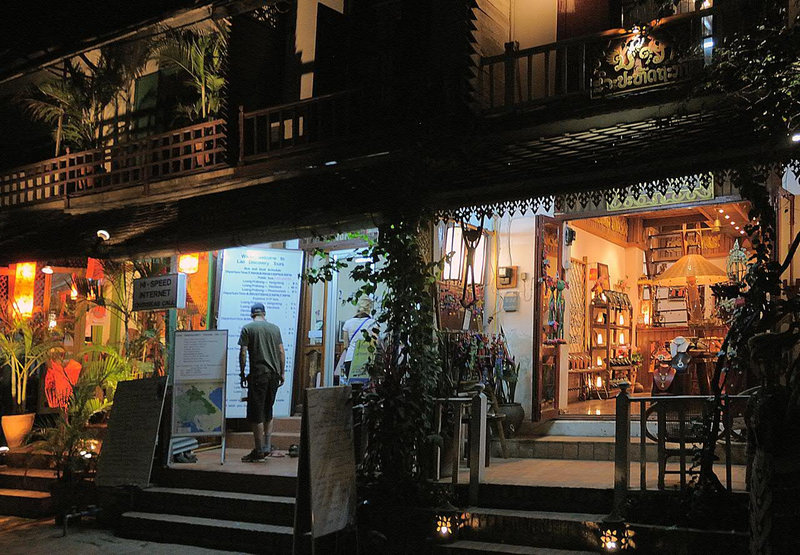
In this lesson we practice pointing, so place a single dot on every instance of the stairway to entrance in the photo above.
(246, 507)
(25, 481)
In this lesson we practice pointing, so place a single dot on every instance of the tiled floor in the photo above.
(585, 474)
(210, 461)
(597, 407)
(528, 472)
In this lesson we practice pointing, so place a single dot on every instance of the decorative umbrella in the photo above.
(690, 271)
(691, 266)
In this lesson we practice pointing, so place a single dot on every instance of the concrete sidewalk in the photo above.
(21, 536)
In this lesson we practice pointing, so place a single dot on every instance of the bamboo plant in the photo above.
(24, 351)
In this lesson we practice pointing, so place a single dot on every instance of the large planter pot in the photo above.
(16, 427)
(515, 414)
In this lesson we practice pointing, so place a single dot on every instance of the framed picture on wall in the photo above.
(602, 276)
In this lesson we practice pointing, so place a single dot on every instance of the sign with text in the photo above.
(637, 62)
(326, 472)
(271, 277)
(160, 292)
(198, 406)
(126, 458)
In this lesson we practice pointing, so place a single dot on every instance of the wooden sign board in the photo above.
(326, 476)
(126, 458)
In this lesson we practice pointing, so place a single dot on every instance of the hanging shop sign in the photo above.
(159, 293)
(638, 62)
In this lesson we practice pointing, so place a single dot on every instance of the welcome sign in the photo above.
(638, 62)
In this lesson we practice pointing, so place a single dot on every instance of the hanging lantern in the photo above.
(25, 275)
(736, 263)
(189, 263)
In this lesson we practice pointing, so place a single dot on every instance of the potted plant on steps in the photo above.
(24, 347)
(74, 442)
(506, 388)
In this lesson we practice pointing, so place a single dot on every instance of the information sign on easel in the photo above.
(198, 394)
(326, 472)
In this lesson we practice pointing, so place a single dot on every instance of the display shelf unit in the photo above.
(612, 335)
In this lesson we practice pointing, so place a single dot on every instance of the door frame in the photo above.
(537, 414)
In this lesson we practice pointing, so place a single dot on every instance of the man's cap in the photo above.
(258, 308)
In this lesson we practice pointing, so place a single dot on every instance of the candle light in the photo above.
(621, 320)
(599, 382)
(621, 338)
(599, 338)
(599, 361)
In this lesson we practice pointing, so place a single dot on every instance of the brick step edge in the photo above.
(591, 450)
(206, 532)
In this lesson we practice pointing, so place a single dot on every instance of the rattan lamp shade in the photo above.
(691, 265)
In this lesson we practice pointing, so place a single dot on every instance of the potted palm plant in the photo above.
(24, 347)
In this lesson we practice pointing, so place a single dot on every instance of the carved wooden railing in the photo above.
(180, 152)
(531, 76)
(275, 130)
(672, 427)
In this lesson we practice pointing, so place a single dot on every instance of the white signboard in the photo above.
(271, 277)
(198, 398)
(159, 293)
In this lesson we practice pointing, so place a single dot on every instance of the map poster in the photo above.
(198, 394)
(271, 277)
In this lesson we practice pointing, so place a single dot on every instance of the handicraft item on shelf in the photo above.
(555, 310)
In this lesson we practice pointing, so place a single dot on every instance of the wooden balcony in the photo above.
(180, 152)
(278, 130)
(671, 50)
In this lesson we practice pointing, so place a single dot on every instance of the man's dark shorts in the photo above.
(261, 392)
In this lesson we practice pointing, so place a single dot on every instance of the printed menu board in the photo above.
(271, 277)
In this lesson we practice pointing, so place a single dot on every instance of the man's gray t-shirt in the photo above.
(263, 341)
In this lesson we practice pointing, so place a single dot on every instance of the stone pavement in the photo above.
(22, 536)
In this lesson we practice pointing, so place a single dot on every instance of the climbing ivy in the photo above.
(406, 368)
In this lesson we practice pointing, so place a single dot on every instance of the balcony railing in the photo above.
(575, 67)
(275, 130)
(176, 153)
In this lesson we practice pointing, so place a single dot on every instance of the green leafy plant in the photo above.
(24, 347)
(75, 103)
(73, 440)
(405, 371)
(200, 56)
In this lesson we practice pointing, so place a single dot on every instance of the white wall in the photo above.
(514, 244)
(306, 38)
(534, 22)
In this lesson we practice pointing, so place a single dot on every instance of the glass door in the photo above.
(547, 339)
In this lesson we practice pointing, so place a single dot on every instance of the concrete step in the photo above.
(212, 533)
(581, 531)
(589, 448)
(259, 484)
(576, 531)
(541, 498)
(289, 424)
(25, 503)
(26, 478)
(245, 507)
(465, 547)
(244, 440)
(28, 457)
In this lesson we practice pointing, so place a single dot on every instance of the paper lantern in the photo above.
(25, 275)
(189, 263)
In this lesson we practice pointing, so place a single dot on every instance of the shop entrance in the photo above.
(635, 290)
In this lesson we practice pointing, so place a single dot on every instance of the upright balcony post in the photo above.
(510, 67)
(241, 135)
(622, 457)
(477, 446)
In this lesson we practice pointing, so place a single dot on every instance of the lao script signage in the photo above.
(160, 292)
(638, 62)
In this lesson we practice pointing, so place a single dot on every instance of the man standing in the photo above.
(261, 342)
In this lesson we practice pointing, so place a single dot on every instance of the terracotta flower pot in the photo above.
(16, 427)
